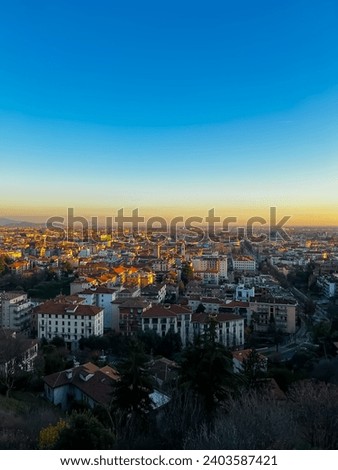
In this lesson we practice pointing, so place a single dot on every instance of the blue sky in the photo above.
(169, 106)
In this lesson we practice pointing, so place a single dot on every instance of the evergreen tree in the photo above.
(84, 432)
(206, 369)
(132, 390)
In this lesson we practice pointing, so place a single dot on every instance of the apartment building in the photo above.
(15, 310)
(102, 297)
(168, 317)
(243, 263)
(229, 328)
(276, 312)
(70, 321)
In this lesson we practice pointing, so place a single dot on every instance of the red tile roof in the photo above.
(61, 308)
(98, 386)
(170, 310)
(219, 317)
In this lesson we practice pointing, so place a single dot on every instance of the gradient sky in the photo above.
(172, 107)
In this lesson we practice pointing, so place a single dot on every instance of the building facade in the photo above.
(69, 321)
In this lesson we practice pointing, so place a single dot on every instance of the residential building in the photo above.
(239, 358)
(274, 312)
(17, 352)
(15, 310)
(69, 321)
(155, 293)
(168, 317)
(244, 293)
(330, 287)
(103, 297)
(130, 315)
(229, 328)
(210, 304)
(89, 386)
(210, 269)
(243, 263)
(86, 384)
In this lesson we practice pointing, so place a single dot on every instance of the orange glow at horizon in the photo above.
(309, 216)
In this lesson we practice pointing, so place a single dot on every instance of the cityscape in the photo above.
(169, 226)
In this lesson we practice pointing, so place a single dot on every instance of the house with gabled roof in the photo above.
(87, 384)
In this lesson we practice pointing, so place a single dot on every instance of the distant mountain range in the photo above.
(16, 223)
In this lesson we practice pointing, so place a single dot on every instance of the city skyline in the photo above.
(173, 109)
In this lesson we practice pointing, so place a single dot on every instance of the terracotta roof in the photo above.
(170, 310)
(98, 385)
(13, 344)
(133, 303)
(11, 295)
(219, 317)
(244, 354)
(236, 303)
(98, 290)
(62, 308)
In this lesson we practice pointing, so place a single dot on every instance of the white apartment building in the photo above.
(211, 304)
(17, 352)
(229, 328)
(243, 293)
(211, 269)
(243, 263)
(69, 321)
(102, 297)
(15, 310)
(330, 287)
(164, 318)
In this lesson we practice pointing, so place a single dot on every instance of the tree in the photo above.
(200, 308)
(254, 369)
(251, 421)
(132, 390)
(315, 407)
(170, 345)
(49, 436)
(206, 369)
(187, 273)
(84, 432)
